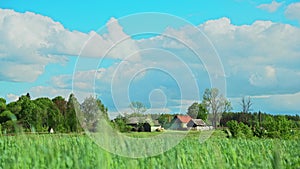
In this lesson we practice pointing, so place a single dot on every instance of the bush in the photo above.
(238, 130)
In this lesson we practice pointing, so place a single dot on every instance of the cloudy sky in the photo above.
(159, 53)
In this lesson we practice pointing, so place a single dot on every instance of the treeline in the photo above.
(41, 114)
(64, 116)
(260, 125)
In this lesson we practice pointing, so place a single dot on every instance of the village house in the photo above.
(143, 124)
(180, 122)
(198, 124)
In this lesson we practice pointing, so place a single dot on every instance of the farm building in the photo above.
(180, 122)
(143, 124)
(198, 124)
(155, 125)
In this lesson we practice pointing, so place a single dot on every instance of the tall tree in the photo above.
(137, 107)
(193, 110)
(73, 108)
(216, 104)
(2, 104)
(61, 104)
(246, 104)
(198, 111)
(92, 111)
(203, 112)
(48, 115)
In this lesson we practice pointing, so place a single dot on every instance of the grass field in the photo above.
(79, 151)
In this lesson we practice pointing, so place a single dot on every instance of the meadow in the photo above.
(79, 151)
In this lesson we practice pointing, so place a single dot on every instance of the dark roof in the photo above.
(183, 118)
(136, 120)
(198, 122)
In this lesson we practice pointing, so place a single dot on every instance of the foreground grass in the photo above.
(78, 151)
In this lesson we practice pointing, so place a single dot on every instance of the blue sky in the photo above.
(50, 48)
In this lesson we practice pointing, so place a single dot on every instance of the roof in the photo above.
(136, 120)
(156, 123)
(183, 118)
(198, 122)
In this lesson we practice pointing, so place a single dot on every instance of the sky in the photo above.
(161, 53)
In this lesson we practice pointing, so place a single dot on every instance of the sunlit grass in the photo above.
(79, 151)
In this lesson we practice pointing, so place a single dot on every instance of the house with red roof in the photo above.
(180, 122)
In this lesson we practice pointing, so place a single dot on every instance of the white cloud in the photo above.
(263, 54)
(30, 41)
(265, 78)
(12, 97)
(257, 58)
(272, 7)
(293, 11)
(278, 103)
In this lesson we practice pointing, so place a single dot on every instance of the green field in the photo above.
(79, 151)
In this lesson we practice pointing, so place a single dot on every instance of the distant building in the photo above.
(198, 124)
(143, 124)
(180, 122)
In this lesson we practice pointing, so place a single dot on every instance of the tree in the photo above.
(216, 104)
(61, 104)
(193, 110)
(71, 120)
(2, 104)
(137, 107)
(165, 120)
(202, 113)
(92, 111)
(197, 111)
(48, 115)
(246, 104)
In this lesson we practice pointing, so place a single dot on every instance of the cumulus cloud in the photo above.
(272, 7)
(257, 58)
(293, 11)
(12, 97)
(30, 41)
(267, 77)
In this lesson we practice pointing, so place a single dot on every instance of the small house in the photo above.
(198, 124)
(143, 124)
(180, 122)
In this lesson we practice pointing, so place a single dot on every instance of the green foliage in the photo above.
(92, 111)
(71, 121)
(2, 104)
(120, 124)
(239, 130)
(79, 151)
(216, 104)
(166, 120)
(198, 111)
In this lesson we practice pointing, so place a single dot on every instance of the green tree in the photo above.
(61, 104)
(48, 115)
(165, 120)
(2, 104)
(239, 130)
(73, 108)
(92, 111)
(193, 110)
(198, 111)
(120, 124)
(216, 104)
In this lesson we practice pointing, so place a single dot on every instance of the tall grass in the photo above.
(78, 151)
